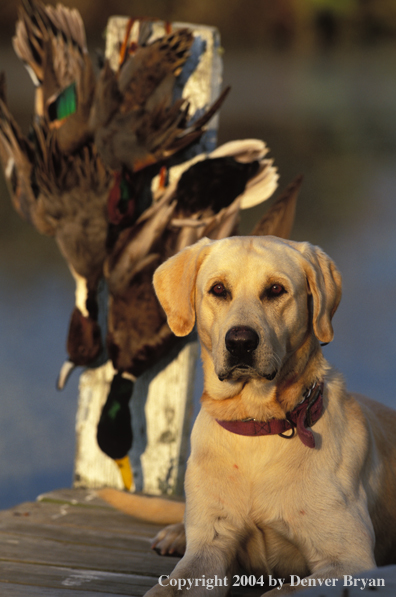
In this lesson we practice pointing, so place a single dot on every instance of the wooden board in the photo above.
(64, 580)
(11, 590)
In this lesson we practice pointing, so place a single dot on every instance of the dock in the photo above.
(70, 543)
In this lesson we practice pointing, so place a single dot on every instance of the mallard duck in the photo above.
(233, 158)
(202, 202)
(136, 118)
(150, 337)
(203, 199)
(47, 189)
(138, 337)
(17, 158)
(70, 182)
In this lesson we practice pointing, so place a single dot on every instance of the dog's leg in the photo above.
(345, 547)
(194, 575)
(207, 565)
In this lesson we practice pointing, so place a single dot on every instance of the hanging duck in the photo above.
(46, 188)
(70, 182)
(203, 199)
(135, 118)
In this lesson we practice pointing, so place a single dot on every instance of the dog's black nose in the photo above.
(241, 340)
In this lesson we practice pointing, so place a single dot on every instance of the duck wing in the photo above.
(51, 42)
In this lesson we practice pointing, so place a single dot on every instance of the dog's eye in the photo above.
(218, 289)
(276, 290)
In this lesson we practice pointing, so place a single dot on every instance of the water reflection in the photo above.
(335, 121)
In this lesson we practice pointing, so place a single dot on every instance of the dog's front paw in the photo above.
(170, 541)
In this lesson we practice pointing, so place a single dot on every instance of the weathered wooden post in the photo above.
(162, 403)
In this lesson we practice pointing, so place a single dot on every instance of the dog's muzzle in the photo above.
(241, 343)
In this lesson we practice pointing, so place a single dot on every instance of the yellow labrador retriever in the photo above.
(288, 474)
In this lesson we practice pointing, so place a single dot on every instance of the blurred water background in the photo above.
(316, 79)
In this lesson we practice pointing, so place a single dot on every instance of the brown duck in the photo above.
(135, 118)
(47, 188)
(138, 338)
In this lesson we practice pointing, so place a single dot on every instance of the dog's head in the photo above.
(255, 300)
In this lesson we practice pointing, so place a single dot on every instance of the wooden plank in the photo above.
(95, 519)
(169, 410)
(135, 590)
(33, 550)
(63, 544)
(65, 580)
(78, 535)
(74, 534)
(19, 590)
(71, 540)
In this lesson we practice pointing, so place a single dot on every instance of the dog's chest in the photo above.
(267, 549)
(254, 485)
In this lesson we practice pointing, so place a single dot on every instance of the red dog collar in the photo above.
(301, 418)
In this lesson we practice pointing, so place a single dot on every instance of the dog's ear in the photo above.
(174, 284)
(325, 285)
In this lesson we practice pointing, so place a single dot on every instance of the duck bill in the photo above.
(125, 468)
(64, 374)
